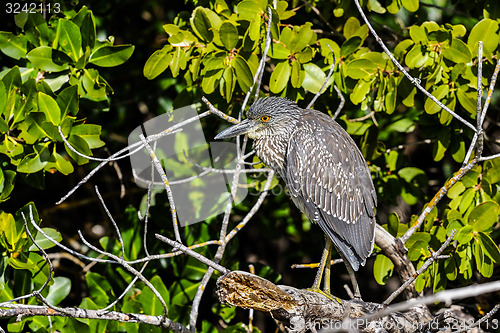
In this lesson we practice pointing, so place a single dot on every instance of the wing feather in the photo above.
(330, 182)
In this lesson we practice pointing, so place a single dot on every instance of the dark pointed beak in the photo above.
(243, 127)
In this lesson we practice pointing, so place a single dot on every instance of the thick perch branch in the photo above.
(301, 310)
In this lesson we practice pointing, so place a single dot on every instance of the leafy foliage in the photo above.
(214, 49)
(210, 47)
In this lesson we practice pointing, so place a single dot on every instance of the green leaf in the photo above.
(375, 6)
(9, 177)
(483, 31)
(440, 92)
(228, 35)
(457, 189)
(417, 56)
(418, 236)
(42, 57)
(351, 26)
(457, 150)
(150, 303)
(418, 34)
(211, 80)
(10, 231)
(327, 46)
(302, 37)
(50, 108)
(413, 175)
(88, 30)
(450, 268)
(43, 241)
(467, 99)
(488, 246)
(394, 7)
(464, 235)
(410, 5)
(12, 45)
(418, 249)
(94, 325)
(441, 144)
(90, 133)
(314, 78)
(201, 24)
(81, 146)
(279, 51)
(228, 83)
(68, 101)
(69, 38)
(12, 79)
(361, 69)
(382, 269)
(467, 200)
(297, 74)
(248, 9)
(158, 62)
(305, 55)
(393, 224)
(35, 161)
(370, 144)
(93, 85)
(484, 216)
(458, 52)
(3, 101)
(492, 172)
(59, 290)
(360, 91)
(243, 73)
(110, 56)
(350, 45)
(99, 287)
(279, 77)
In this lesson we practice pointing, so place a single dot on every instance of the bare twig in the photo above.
(118, 233)
(320, 91)
(193, 254)
(132, 149)
(479, 124)
(16, 310)
(164, 178)
(480, 321)
(316, 264)
(434, 256)
(254, 209)
(129, 268)
(437, 197)
(342, 102)
(369, 115)
(445, 296)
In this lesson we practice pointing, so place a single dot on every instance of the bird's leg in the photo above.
(352, 275)
(328, 266)
(327, 252)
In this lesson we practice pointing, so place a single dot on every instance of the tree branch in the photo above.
(19, 310)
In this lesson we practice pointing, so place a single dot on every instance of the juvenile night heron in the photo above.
(327, 177)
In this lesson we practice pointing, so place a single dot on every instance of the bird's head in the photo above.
(268, 116)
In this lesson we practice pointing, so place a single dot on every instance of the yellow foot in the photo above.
(324, 293)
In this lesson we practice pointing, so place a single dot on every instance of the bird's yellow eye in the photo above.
(265, 118)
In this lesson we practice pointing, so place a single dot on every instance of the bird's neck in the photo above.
(271, 150)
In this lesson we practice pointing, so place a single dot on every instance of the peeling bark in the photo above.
(300, 310)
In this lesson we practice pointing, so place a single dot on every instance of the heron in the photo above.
(326, 175)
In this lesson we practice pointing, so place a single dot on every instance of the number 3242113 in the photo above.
(32, 8)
